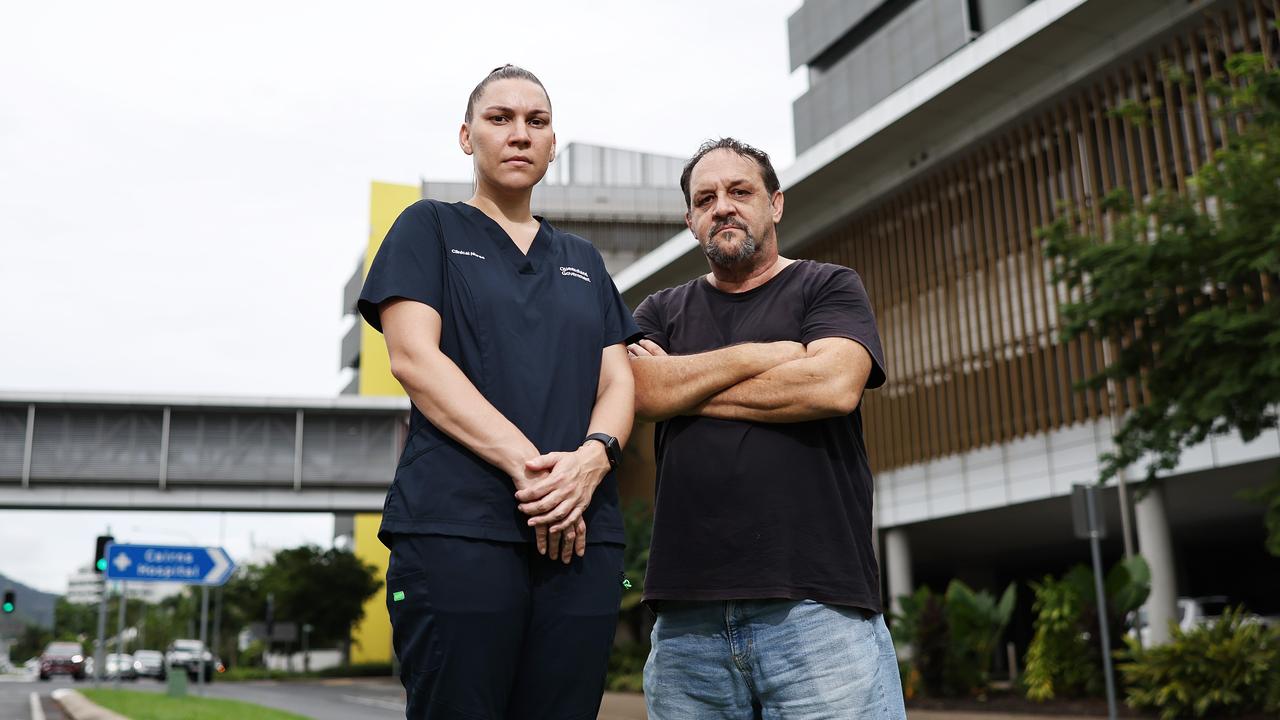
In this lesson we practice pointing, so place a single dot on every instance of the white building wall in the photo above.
(1034, 468)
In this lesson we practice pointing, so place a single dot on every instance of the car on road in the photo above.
(62, 658)
(149, 663)
(185, 654)
(119, 664)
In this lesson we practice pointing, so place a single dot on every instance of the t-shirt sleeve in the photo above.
(409, 264)
(648, 317)
(841, 308)
(618, 325)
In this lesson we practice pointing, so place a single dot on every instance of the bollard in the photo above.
(176, 681)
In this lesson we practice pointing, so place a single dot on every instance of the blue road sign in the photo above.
(164, 563)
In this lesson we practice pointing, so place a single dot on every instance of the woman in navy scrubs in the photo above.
(503, 522)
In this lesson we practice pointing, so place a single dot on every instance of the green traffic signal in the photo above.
(100, 553)
(9, 602)
(7, 607)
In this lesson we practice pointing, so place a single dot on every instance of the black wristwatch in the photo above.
(611, 448)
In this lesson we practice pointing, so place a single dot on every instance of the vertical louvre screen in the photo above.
(963, 294)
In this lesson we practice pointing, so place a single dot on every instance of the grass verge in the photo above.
(149, 706)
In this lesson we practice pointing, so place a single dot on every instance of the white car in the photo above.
(1191, 613)
(120, 664)
(149, 663)
(186, 655)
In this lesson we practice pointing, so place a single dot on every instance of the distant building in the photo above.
(84, 587)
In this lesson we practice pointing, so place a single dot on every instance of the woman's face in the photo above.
(510, 137)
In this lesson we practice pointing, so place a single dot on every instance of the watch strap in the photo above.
(611, 449)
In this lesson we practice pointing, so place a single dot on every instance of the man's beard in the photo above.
(725, 258)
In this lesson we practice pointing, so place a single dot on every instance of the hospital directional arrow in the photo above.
(166, 563)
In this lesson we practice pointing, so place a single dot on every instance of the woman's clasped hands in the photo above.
(554, 490)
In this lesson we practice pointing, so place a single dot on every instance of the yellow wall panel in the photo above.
(386, 202)
(371, 638)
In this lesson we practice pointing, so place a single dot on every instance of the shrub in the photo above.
(977, 621)
(1229, 667)
(952, 637)
(626, 667)
(1065, 654)
(1058, 661)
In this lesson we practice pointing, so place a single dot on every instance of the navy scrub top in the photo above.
(528, 331)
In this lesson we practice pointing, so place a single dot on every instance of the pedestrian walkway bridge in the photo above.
(83, 451)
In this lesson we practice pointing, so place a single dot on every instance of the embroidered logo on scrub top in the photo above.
(574, 272)
(466, 252)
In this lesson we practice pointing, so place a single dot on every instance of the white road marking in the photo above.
(374, 702)
(37, 710)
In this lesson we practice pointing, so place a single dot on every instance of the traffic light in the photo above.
(9, 604)
(100, 555)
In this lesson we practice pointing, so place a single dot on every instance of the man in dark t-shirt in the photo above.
(761, 570)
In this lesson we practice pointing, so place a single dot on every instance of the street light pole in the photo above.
(119, 637)
(99, 658)
(1095, 533)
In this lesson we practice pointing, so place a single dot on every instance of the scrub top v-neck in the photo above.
(527, 329)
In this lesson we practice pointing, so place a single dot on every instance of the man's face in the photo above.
(730, 212)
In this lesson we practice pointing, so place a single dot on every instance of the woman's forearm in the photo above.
(614, 411)
(443, 393)
(446, 396)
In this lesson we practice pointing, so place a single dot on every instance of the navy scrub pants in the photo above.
(494, 631)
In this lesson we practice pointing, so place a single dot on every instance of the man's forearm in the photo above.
(671, 385)
(826, 383)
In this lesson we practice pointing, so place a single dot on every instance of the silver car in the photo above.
(149, 663)
(120, 664)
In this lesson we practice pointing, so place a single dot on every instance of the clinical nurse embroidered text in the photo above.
(466, 252)
(574, 272)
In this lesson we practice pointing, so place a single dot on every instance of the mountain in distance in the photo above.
(34, 607)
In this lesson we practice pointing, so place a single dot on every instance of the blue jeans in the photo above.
(792, 659)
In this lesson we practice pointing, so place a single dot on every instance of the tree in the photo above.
(72, 621)
(29, 643)
(1187, 288)
(243, 602)
(325, 588)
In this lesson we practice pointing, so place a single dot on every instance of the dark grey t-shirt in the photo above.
(750, 510)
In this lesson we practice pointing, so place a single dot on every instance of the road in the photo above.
(336, 699)
(321, 700)
(340, 699)
(15, 697)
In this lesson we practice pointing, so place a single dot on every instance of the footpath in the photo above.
(630, 706)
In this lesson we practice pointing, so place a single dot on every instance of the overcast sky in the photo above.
(184, 187)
